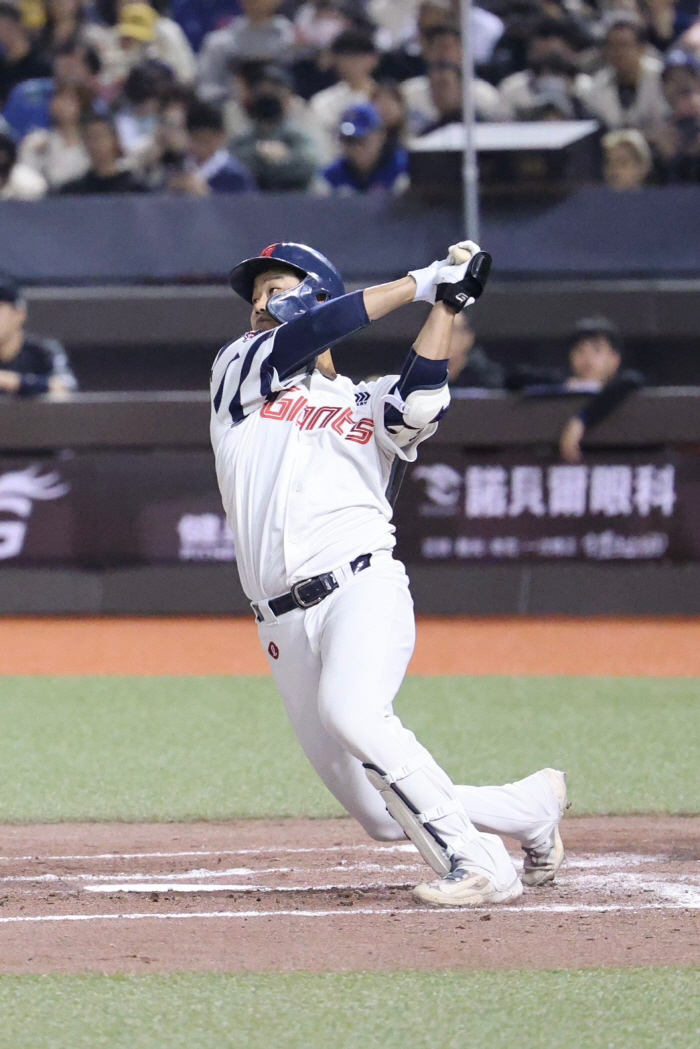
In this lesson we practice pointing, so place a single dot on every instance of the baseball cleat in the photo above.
(463, 887)
(542, 863)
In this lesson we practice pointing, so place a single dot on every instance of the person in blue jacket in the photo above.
(371, 158)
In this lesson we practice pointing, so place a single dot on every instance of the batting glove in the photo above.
(426, 280)
(460, 286)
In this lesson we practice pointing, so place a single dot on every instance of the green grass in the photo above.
(185, 748)
(589, 1009)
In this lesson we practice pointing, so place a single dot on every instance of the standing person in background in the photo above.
(627, 91)
(261, 34)
(595, 359)
(19, 59)
(355, 58)
(28, 366)
(277, 150)
(372, 158)
(58, 154)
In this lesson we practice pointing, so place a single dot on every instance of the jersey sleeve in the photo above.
(381, 392)
(244, 376)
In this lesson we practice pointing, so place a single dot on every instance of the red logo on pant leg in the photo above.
(273, 650)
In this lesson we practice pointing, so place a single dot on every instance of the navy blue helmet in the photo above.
(320, 279)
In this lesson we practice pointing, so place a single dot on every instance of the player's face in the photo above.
(266, 285)
(595, 359)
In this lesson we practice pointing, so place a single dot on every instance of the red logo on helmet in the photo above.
(268, 251)
(273, 650)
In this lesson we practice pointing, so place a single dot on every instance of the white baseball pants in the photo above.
(338, 667)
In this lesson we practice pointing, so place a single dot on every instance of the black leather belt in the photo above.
(310, 592)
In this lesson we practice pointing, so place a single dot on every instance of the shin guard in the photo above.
(431, 847)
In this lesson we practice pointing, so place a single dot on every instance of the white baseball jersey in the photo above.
(303, 465)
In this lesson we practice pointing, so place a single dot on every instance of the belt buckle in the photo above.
(328, 588)
(299, 601)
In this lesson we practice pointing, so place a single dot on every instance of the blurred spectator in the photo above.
(29, 105)
(397, 22)
(19, 60)
(626, 159)
(318, 22)
(627, 91)
(552, 70)
(28, 366)
(58, 154)
(690, 41)
(143, 34)
(107, 172)
(486, 27)
(371, 157)
(247, 81)
(676, 141)
(595, 359)
(165, 153)
(207, 167)
(391, 104)
(431, 97)
(660, 20)
(17, 180)
(469, 364)
(198, 17)
(277, 150)
(259, 35)
(355, 58)
(66, 22)
(136, 115)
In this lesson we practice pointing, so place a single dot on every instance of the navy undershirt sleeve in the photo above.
(299, 341)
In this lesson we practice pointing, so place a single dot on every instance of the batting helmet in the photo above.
(320, 279)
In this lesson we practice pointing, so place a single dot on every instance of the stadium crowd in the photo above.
(221, 96)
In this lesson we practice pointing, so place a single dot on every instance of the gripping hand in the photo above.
(461, 285)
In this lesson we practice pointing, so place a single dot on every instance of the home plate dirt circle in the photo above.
(318, 895)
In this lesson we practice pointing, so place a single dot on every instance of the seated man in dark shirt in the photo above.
(470, 366)
(595, 358)
(19, 60)
(28, 365)
(107, 172)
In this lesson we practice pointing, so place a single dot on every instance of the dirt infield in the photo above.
(606, 647)
(319, 896)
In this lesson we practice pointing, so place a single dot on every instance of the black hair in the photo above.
(437, 31)
(354, 42)
(205, 117)
(10, 11)
(560, 29)
(622, 21)
(596, 327)
(90, 55)
(8, 146)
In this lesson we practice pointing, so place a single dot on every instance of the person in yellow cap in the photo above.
(142, 33)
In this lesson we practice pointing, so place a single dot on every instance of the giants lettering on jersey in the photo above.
(293, 407)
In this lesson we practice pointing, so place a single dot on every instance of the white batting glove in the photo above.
(463, 251)
(426, 281)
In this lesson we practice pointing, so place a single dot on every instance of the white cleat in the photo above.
(463, 887)
(541, 864)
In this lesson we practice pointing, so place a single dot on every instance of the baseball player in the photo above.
(304, 457)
